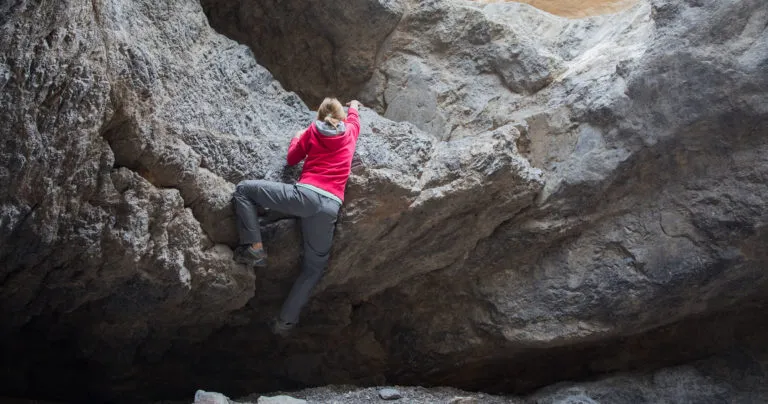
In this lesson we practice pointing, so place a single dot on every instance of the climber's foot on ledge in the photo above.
(251, 255)
(281, 328)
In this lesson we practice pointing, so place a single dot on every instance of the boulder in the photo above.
(390, 394)
(210, 397)
(281, 399)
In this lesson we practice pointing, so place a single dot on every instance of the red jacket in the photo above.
(328, 156)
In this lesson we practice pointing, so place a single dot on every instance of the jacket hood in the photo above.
(327, 129)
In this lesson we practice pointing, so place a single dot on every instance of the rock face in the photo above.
(533, 198)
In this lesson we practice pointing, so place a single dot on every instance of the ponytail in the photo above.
(329, 119)
(331, 112)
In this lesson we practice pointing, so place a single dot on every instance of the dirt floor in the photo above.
(575, 8)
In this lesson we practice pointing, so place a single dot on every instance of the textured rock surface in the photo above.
(280, 400)
(210, 397)
(570, 197)
(455, 69)
(390, 394)
(735, 377)
(111, 223)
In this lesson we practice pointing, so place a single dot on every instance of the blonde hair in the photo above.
(331, 111)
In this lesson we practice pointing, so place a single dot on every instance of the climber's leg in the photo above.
(317, 231)
(267, 194)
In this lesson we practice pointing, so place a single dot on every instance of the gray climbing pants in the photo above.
(318, 216)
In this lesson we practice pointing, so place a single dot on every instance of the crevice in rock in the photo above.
(314, 48)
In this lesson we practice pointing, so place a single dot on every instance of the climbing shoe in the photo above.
(281, 328)
(252, 257)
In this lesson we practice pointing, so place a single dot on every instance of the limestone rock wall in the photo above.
(111, 223)
(529, 193)
(652, 210)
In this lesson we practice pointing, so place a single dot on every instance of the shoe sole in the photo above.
(259, 264)
(281, 331)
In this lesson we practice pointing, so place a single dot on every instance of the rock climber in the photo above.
(327, 147)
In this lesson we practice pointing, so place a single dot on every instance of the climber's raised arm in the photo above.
(353, 117)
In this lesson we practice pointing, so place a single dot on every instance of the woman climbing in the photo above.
(327, 146)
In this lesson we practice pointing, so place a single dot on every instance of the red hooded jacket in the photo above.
(328, 152)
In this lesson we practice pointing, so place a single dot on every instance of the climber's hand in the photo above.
(354, 104)
(298, 134)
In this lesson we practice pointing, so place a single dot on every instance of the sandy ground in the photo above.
(575, 8)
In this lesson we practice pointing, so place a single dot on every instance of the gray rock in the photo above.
(733, 377)
(569, 196)
(210, 397)
(281, 399)
(390, 394)
(464, 400)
